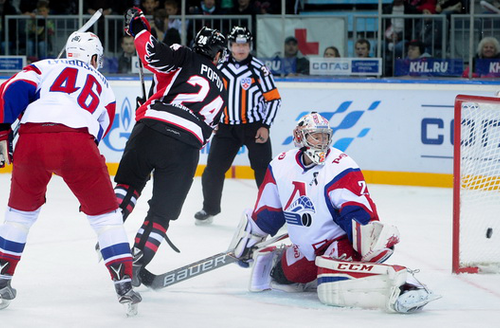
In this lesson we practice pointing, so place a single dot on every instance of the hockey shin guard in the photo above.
(113, 242)
(13, 236)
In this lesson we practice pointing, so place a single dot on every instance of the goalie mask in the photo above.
(83, 46)
(314, 136)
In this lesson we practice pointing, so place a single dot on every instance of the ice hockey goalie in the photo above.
(338, 244)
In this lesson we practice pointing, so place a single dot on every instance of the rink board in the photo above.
(398, 131)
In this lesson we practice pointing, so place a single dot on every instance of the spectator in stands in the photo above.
(331, 52)
(66, 7)
(27, 7)
(172, 8)
(488, 48)
(113, 35)
(265, 7)
(159, 24)
(226, 5)
(449, 7)
(149, 6)
(207, 7)
(128, 51)
(362, 48)
(416, 50)
(429, 30)
(292, 54)
(40, 32)
(94, 5)
(6, 8)
(398, 32)
(247, 7)
(160, 30)
(425, 6)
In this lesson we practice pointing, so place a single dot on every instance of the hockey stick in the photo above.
(85, 27)
(141, 100)
(197, 268)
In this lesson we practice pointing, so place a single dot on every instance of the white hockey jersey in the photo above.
(317, 203)
(63, 91)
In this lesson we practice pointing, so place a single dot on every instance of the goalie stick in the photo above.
(85, 27)
(197, 268)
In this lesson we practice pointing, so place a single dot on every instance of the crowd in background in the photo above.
(400, 41)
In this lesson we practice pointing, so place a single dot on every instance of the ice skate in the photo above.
(127, 296)
(202, 218)
(7, 293)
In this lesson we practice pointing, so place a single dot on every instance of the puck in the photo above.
(489, 232)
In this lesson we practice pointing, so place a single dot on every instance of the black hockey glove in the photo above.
(135, 22)
(139, 101)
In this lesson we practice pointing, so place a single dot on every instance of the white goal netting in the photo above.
(477, 219)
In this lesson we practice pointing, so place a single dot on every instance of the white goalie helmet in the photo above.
(84, 45)
(313, 134)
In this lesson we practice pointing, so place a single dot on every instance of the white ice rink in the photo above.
(60, 283)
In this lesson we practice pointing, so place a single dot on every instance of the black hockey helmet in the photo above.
(209, 42)
(240, 34)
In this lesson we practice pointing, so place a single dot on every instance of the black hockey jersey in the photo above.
(188, 93)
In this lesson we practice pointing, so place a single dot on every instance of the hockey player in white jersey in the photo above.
(338, 242)
(65, 108)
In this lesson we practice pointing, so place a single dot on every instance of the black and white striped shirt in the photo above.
(252, 95)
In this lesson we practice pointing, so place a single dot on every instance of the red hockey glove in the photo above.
(5, 157)
(135, 22)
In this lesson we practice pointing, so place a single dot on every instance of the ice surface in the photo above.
(60, 284)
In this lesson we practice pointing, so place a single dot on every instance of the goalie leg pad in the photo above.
(358, 284)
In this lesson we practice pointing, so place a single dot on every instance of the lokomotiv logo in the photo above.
(348, 121)
(300, 212)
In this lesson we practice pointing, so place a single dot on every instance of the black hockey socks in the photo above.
(127, 198)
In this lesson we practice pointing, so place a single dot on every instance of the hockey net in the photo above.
(476, 187)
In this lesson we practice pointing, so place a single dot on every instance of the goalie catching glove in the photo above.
(247, 235)
(135, 22)
(5, 157)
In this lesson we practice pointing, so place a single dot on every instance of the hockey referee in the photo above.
(253, 101)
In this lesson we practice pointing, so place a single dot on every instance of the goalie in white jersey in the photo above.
(65, 108)
(337, 240)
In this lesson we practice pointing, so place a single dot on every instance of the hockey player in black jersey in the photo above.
(252, 105)
(184, 106)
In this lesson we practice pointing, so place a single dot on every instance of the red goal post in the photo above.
(476, 185)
